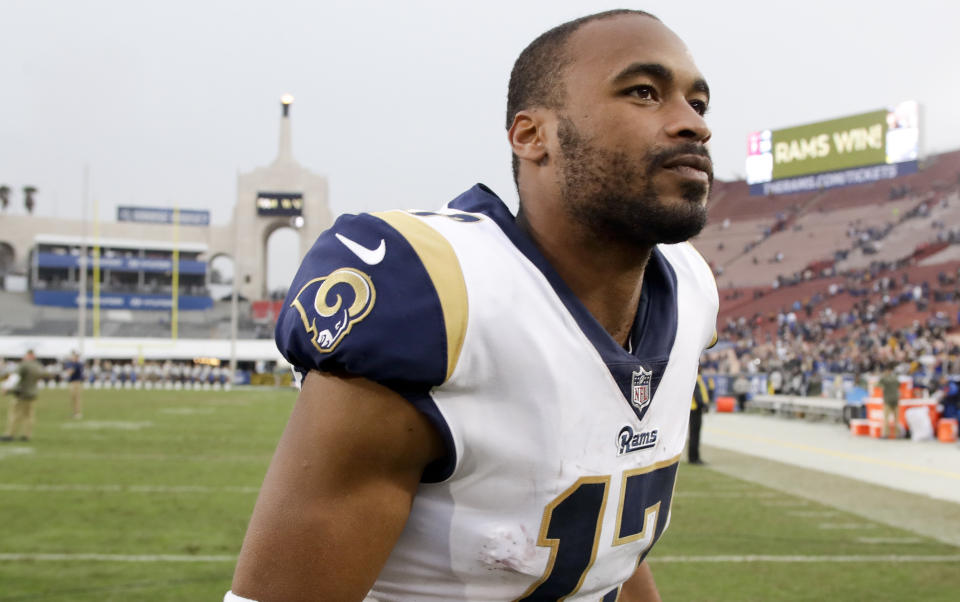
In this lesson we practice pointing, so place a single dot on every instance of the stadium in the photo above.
(836, 257)
(818, 288)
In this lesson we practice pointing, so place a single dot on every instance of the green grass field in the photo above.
(147, 498)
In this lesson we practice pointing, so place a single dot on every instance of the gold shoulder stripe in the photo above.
(443, 267)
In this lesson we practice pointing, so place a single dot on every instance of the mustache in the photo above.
(657, 158)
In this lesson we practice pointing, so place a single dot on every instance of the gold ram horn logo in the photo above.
(335, 320)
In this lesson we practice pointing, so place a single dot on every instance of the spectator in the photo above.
(698, 405)
(890, 385)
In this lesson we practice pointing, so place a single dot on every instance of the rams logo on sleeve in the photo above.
(329, 306)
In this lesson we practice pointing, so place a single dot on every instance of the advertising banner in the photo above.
(162, 215)
(885, 137)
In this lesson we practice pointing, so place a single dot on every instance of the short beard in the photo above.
(615, 198)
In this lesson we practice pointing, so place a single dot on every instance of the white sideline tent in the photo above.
(148, 349)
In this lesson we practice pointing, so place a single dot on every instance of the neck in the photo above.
(606, 276)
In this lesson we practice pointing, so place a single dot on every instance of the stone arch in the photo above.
(8, 256)
(281, 256)
(220, 271)
(222, 268)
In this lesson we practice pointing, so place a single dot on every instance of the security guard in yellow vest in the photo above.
(698, 405)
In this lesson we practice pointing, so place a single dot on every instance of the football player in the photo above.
(493, 407)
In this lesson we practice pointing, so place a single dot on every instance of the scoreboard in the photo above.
(279, 203)
(849, 150)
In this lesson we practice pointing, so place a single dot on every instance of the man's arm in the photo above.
(640, 587)
(337, 493)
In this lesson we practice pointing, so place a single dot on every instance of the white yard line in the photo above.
(81, 557)
(126, 488)
(889, 540)
(159, 457)
(811, 558)
(812, 513)
(869, 558)
(728, 494)
(9, 452)
(847, 526)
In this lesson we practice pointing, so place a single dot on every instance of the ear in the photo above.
(526, 136)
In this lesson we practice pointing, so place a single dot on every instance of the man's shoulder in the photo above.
(381, 296)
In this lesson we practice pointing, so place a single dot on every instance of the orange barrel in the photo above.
(947, 430)
(875, 409)
(859, 426)
(726, 404)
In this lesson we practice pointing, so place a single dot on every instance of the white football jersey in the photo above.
(563, 447)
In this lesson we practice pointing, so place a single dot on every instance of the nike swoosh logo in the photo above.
(367, 256)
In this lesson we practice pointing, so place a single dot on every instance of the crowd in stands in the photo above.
(924, 352)
(812, 348)
(850, 320)
(873, 296)
(862, 237)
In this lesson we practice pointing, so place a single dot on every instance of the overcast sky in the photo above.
(401, 103)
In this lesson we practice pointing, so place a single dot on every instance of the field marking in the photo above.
(9, 452)
(116, 557)
(812, 513)
(798, 559)
(96, 425)
(127, 488)
(728, 494)
(846, 526)
(836, 454)
(786, 503)
(145, 558)
(889, 540)
(161, 457)
(186, 411)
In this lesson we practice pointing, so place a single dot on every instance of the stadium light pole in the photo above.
(234, 311)
(82, 297)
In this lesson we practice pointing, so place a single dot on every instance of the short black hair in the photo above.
(536, 80)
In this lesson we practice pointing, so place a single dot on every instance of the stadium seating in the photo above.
(777, 254)
(22, 318)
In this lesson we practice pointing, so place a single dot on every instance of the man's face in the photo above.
(631, 158)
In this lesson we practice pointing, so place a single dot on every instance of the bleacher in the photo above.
(903, 239)
(770, 252)
(22, 318)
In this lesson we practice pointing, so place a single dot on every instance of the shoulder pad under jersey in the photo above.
(379, 296)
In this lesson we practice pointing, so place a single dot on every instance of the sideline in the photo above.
(836, 454)
(920, 514)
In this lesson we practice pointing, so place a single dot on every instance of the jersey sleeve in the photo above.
(378, 296)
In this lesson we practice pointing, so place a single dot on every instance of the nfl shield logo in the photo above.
(641, 389)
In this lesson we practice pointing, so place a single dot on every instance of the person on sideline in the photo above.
(75, 380)
(698, 405)
(890, 385)
(20, 416)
